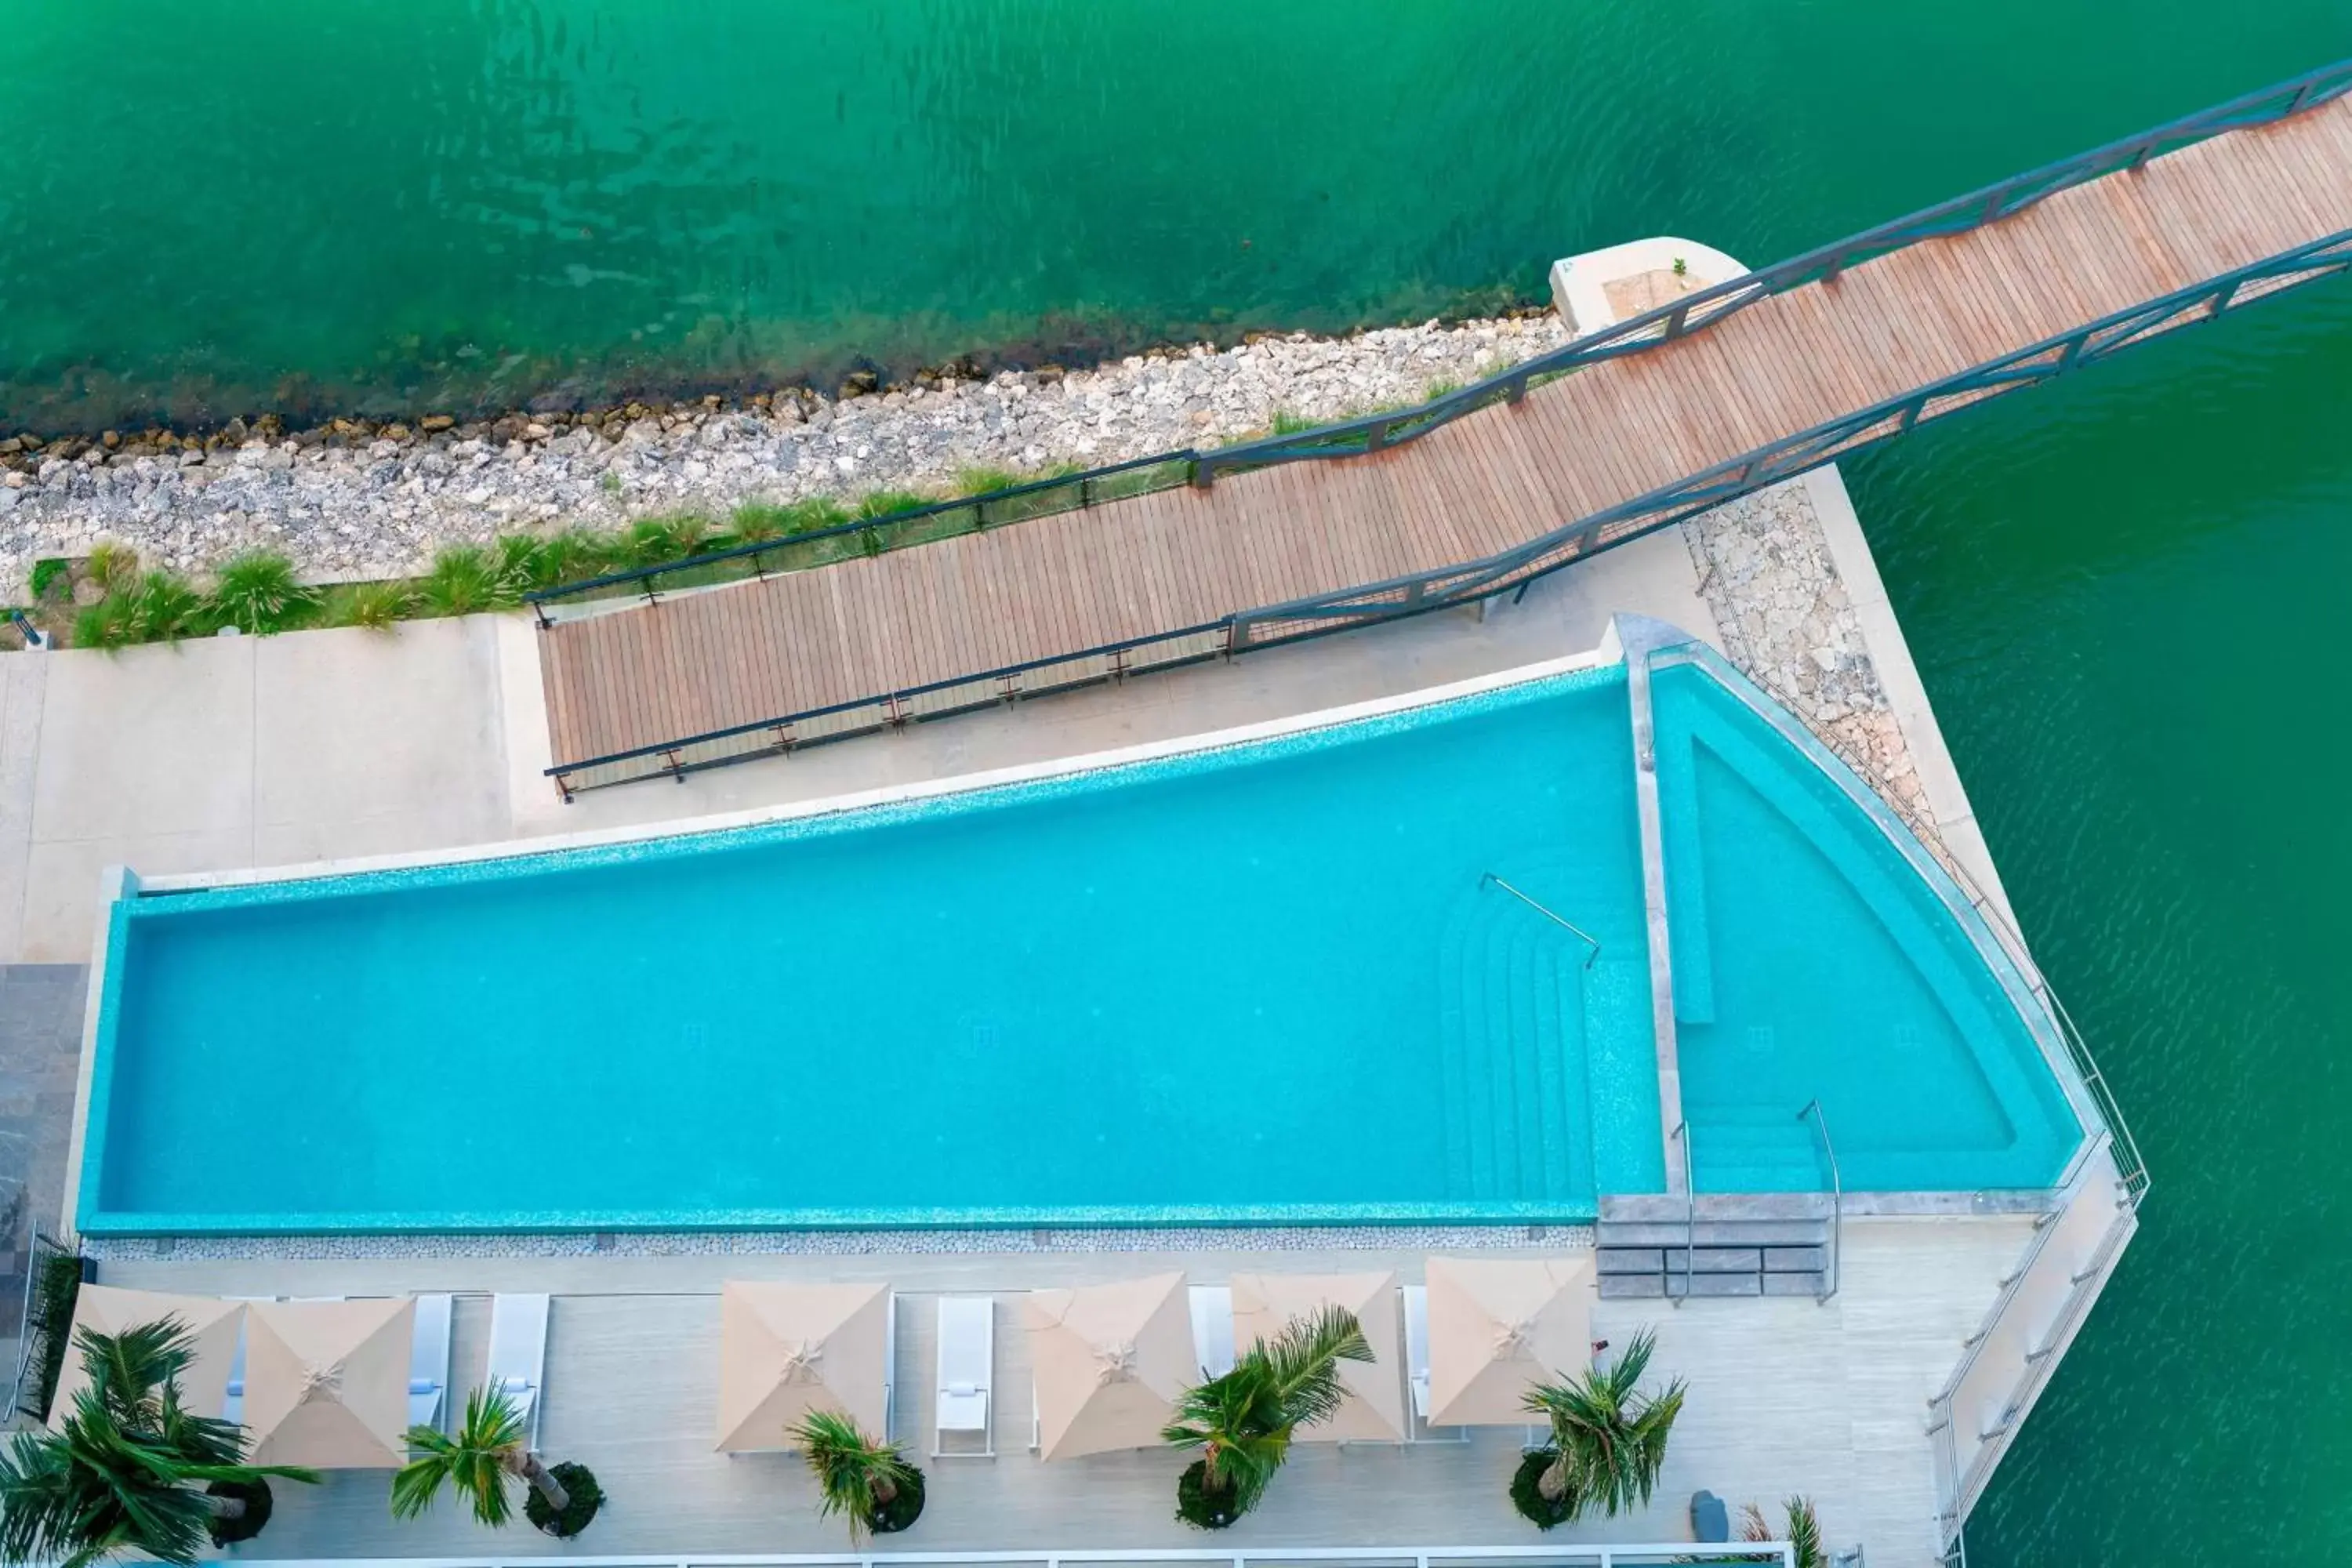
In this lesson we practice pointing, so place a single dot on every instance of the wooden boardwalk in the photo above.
(806, 641)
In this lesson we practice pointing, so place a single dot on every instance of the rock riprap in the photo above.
(355, 499)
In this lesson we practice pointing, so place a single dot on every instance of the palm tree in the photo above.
(1243, 1421)
(855, 1475)
(1610, 1438)
(1804, 1532)
(491, 1446)
(118, 1474)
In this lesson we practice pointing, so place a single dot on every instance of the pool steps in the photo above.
(1660, 1258)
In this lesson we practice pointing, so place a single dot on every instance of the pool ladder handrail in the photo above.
(1591, 941)
(1837, 1194)
(1690, 1223)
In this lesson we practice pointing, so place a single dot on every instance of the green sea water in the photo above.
(2123, 591)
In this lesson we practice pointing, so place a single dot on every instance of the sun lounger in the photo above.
(967, 1376)
(428, 1362)
(1416, 1365)
(517, 1360)
(1213, 1329)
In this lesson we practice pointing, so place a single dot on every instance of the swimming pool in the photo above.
(1261, 982)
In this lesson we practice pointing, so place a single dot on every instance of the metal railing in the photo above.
(1957, 1485)
(864, 536)
(1592, 943)
(1690, 1221)
(1508, 571)
(2003, 199)
(1567, 1554)
(53, 1276)
(1837, 1194)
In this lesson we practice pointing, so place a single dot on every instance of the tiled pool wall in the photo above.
(850, 1243)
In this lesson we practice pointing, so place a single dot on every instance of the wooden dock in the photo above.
(844, 637)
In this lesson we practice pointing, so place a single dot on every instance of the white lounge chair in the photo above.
(233, 1406)
(1213, 1329)
(428, 1361)
(1416, 1365)
(518, 1359)
(967, 1376)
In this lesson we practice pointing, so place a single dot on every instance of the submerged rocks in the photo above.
(354, 498)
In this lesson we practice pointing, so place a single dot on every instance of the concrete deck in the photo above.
(1785, 1396)
(226, 754)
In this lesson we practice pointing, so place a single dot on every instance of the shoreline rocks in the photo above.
(355, 499)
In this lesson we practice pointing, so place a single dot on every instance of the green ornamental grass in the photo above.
(258, 591)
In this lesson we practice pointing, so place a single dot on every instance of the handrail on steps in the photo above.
(1591, 941)
(1837, 1192)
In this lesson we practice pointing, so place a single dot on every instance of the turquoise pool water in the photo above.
(1811, 959)
(1261, 984)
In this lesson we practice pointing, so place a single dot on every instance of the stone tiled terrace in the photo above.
(1787, 1395)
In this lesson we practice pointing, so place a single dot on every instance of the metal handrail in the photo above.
(1563, 1555)
(1637, 334)
(1837, 1193)
(1592, 941)
(1690, 1219)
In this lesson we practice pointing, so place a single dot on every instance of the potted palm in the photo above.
(868, 1481)
(120, 1472)
(489, 1448)
(1243, 1421)
(1803, 1533)
(1607, 1440)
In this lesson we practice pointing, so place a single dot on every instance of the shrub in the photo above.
(754, 521)
(105, 625)
(657, 540)
(815, 512)
(464, 582)
(376, 606)
(982, 481)
(584, 1497)
(111, 564)
(162, 607)
(51, 572)
(258, 591)
(569, 556)
(887, 503)
(867, 1481)
(1526, 1493)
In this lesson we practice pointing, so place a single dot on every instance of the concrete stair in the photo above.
(1659, 1258)
(1514, 1099)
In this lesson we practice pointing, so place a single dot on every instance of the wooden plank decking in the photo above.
(1600, 436)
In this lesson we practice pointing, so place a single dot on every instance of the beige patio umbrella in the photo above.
(785, 1350)
(1109, 1362)
(1498, 1325)
(326, 1383)
(212, 1324)
(1265, 1304)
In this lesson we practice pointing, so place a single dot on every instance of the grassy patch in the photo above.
(51, 573)
(258, 591)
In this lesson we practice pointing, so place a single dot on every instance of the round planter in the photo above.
(902, 1509)
(1526, 1496)
(255, 1495)
(579, 1484)
(1198, 1506)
